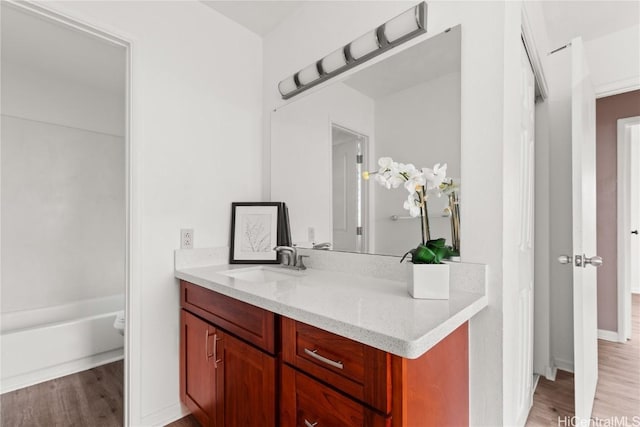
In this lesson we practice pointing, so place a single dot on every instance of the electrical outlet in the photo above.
(311, 234)
(186, 238)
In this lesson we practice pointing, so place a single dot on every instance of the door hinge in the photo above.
(359, 159)
(358, 231)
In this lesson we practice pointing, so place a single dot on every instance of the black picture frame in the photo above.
(256, 228)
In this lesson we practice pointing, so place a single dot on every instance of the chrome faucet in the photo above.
(290, 258)
(287, 254)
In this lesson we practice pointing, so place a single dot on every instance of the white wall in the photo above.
(419, 125)
(614, 61)
(196, 99)
(40, 95)
(489, 54)
(63, 188)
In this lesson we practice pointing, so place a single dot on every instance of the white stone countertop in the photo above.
(374, 311)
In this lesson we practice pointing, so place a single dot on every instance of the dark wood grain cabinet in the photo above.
(244, 366)
(225, 380)
(382, 389)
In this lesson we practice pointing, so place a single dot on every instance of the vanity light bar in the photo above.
(392, 33)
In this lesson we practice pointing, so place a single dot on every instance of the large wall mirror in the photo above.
(407, 107)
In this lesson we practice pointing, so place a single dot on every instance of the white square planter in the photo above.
(428, 281)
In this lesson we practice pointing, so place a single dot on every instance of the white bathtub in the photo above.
(39, 345)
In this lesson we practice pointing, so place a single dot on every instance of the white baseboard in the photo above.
(563, 365)
(41, 375)
(165, 416)
(608, 335)
(635, 290)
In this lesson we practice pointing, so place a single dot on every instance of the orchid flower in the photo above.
(415, 179)
(435, 177)
(412, 205)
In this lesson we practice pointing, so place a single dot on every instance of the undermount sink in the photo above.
(261, 274)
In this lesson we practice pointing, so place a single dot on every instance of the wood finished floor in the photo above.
(188, 421)
(618, 391)
(92, 398)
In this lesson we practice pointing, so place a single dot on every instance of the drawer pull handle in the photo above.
(315, 355)
(308, 424)
(215, 351)
(206, 345)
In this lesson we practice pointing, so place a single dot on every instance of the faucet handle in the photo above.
(300, 262)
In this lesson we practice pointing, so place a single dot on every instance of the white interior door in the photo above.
(525, 243)
(585, 310)
(345, 195)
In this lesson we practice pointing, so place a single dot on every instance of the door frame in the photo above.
(132, 382)
(543, 364)
(624, 225)
(365, 201)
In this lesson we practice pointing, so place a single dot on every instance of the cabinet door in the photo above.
(246, 379)
(198, 368)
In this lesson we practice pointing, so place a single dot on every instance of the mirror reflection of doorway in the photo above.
(349, 190)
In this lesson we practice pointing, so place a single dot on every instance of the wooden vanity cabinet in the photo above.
(225, 380)
(337, 379)
(230, 356)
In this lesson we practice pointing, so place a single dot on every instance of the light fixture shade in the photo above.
(308, 74)
(364, 44)
(400, 29)
(334, 61)
(402, 25)
(287, 86)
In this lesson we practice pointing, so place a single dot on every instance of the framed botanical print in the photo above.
(255, 232)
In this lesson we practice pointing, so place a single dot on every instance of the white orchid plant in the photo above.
(421, 184)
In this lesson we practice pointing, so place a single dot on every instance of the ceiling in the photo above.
(42, 44)
(258, 16)
(565, 18)
(590, 19)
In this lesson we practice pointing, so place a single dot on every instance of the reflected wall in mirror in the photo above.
(407, 107)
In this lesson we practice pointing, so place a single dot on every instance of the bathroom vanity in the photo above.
(265, 346)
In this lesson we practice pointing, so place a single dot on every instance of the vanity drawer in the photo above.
(306, 403)
(354, 368)
(246, 321)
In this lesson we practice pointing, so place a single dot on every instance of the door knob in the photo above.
(595, 261)
(634, 232)
(565, 259)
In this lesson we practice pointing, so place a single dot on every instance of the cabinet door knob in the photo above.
(634, 232)
(310, 424)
